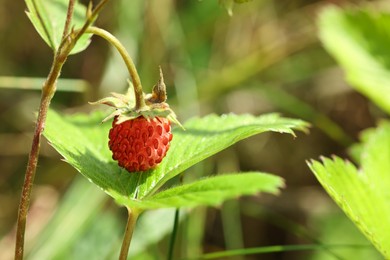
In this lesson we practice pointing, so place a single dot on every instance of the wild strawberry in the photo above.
(140, 144)
(141, 131)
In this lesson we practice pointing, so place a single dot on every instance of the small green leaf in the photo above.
(82, 141)
(212, 191)
(363, 194)
(359, 40)
(48, 18)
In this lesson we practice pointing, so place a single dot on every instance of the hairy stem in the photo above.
(139, 96)
(131, 220)
(68, 20)
(48, 90)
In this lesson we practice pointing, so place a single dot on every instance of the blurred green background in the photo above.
(265, 57)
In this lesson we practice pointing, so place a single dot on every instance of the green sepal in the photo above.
(125, 108)
(110, 101)
(147, 113)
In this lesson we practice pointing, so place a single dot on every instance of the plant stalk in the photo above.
(172, 241)
(139, 95)
(48, 91)
(68, 20)
(131, 220)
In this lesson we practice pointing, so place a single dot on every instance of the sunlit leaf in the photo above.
(359, 40)
(82, 141)
(213, 191)
(363, 194)
(48, 18)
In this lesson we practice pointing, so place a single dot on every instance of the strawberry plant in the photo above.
(140, 133)
(359, 39)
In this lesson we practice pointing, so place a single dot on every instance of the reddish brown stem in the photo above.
(48, 90)
(68, 20)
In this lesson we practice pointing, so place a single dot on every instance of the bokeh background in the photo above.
(264, 57)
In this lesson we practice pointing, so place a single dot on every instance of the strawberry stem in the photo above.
(48, 91)
(131, 220)
(174, 234)
(139, 94)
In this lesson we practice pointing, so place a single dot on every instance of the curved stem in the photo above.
(139, 96)
(90, 19)
(131, 220)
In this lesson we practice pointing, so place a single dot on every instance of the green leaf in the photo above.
(212, 191)
(363, 194)
(355, 151)
(48, 18)
(359, 40)
(82, 141)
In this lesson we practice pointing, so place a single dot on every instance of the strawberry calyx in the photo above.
(126, 108)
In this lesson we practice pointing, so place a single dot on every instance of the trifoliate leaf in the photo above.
(82, 141)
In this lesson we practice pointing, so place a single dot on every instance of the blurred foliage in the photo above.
(363, 35)
(263, 58)
(358, 38)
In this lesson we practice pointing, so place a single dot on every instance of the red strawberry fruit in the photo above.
(140, 144)
(141, 130)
